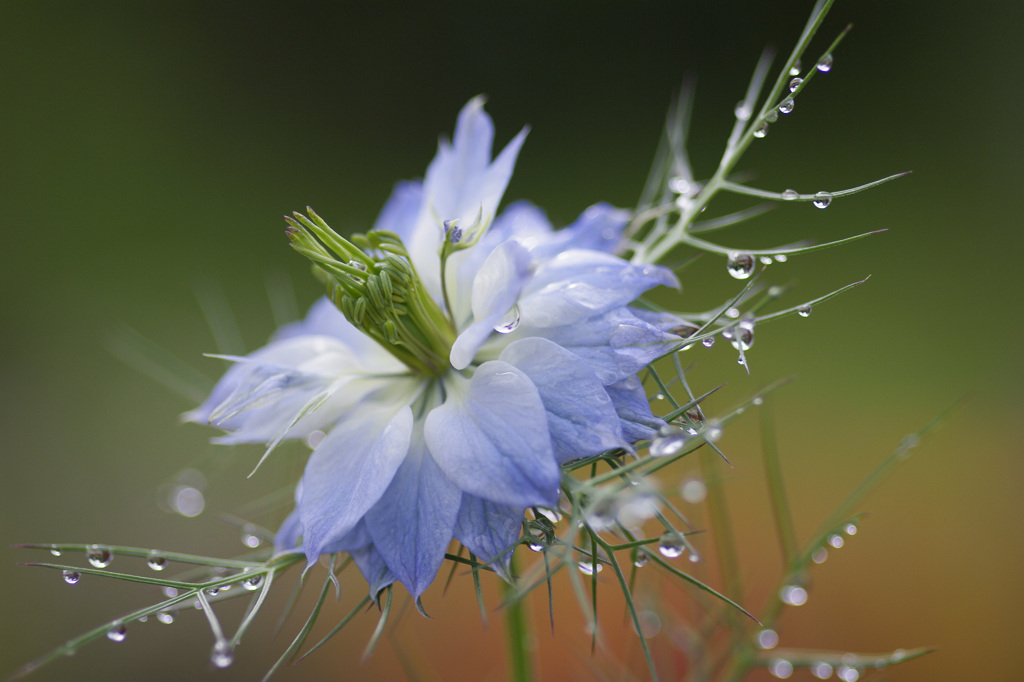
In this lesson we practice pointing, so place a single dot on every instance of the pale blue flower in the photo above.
(455, 430)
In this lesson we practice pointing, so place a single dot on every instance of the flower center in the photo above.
(372, 281)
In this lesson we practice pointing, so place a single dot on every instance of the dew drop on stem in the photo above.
(825, 65)
(99, 556)
(790, 195)
(740, 265)
(822, 199)
(804, 311)
(71, 577)
(786, 107)
(795, 83)
(117, 633)
(671, 545)
(156, 561)
(780, 668)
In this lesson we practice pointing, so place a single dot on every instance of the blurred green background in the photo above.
(148, 150)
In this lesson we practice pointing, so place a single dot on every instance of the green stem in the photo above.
(518, 634)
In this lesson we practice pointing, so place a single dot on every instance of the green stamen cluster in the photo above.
(373, 283)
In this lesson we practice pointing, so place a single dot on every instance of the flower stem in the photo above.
(518, 635)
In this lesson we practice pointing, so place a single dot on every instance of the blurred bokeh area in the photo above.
(148, 150)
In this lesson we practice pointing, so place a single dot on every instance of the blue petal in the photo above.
(373, 567)
(461, 184)
(490, 437)
(489, 531)
(599, 228)
(630, 399)
(401, 210)
(616, 344)
(579, 284)
(288, 534)
(581, 417)
(349, 471)
(324, 319)
(411, 525)
(495, 289)
(521, 221)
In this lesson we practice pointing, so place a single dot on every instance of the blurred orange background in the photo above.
(149, 150)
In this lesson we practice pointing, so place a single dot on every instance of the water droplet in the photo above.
(708, 342)
(819, 555)
(156, 561)
(650, 623)
(898, 655)
(212, 591)
(780, 668)
(743, 337)
(766, 639)
(143, 619)
(850, 528)
(786, 106)
(669, 441)
(822, 200)
(684, 330)
(804, 310)
(847, 674)
(659, 396)
(587, 567)
(641, 559)
(117, 633)
(781, 258)
(98, 556)
(671, 545)
(766, 260)
(601, 513)
(550, 514)
(740, 265)
(165, 617)
(680, 185)
(222, 656)
(188, 501)
(794, 595)
(693, 490)
(54, 550)
(790, 195)
(694, 557)
(732, 313)
(170, 591)
(821, 670)
(795, 69)
(249, 537)
(71, 577)
(761, 130)
(534, 545)
(758, 400)
(742, 111)
(836, 541)
(510, 322)
(357, 265)
(825, 65)
(253, 583)
(314, 439)
(795, 83)
(772, 116)
(713, 433)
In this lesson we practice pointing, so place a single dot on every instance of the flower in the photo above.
(457, 362)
